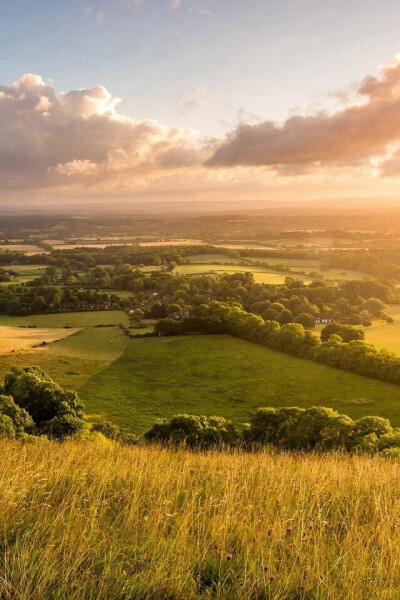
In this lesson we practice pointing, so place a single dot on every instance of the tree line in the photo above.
(356, 355)
(290, 428)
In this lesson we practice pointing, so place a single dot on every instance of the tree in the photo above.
(285, 316)
(22, 421)
(159, 310)
(367, 425)
(41, 397)
(374, 306)
(7, 429)
(346, 332)
(305, 319)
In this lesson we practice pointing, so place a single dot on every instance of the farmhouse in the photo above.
(178, 314)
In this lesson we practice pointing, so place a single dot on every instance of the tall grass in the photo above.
(85, 521)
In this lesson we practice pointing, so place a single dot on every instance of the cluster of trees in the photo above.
(32, 404)
(356, 355)
(315, 428)
(22, 299)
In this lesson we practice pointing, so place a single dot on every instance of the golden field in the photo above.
(100, 521)
(16, 338)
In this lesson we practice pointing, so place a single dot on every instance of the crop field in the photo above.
(66, 246)
(13, 339)
(159, 377)
(172, 242)
(26, 248)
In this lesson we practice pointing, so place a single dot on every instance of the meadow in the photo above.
(85, 520)
(261, 274)
(225, 376)
(13, 339)
(299, 268)
(71, 319)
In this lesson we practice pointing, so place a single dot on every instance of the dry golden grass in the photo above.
(16, 338)
(89, 521)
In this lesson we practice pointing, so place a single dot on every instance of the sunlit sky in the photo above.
(133, 100)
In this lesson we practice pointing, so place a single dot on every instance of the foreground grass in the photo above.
(84, 521)
(225, 376)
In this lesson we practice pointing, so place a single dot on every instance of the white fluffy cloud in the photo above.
(49, 138)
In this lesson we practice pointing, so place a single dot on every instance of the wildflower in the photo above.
(289, 530)
(271, 577)
(269, 531)
(229, 557)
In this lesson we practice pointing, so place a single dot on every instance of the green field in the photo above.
(73, 319)
(159, 377)
(206, 263)
(215, 258)
(119, 293)
(261, 275)
(386, 335)
(27, 269)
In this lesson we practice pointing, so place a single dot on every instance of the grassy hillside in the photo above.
(73, 360)
(220, 375)
(81, 520)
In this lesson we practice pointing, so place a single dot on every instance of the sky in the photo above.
(152, 100)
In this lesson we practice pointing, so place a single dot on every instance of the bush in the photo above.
(64, 426)
(21, 419)
(315, 428)
(195, 431)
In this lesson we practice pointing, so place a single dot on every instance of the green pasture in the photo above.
(72, 319)
(221, 375)
(216, 258)
(36, 270)
(206, 263)
(120, 293)
(261, 275)
(297, 263)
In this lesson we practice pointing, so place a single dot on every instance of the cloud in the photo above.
(51, 139)
(350, 136)
(101, 15)
(194, 100)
